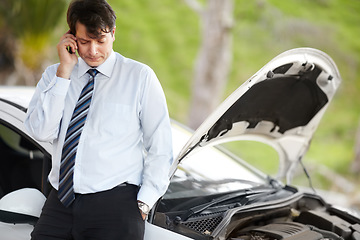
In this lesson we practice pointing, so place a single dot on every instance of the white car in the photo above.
(212, 194)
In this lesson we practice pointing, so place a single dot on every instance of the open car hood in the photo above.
(281, 105)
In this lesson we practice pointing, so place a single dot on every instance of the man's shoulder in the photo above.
(52, 67)
(131, 63)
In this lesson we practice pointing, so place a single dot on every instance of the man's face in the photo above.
(94, 51)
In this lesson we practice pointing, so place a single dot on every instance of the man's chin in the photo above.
(93, 63)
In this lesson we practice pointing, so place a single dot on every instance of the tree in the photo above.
(26, 27)
(214, 57)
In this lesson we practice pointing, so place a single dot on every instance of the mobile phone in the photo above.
(68, 48)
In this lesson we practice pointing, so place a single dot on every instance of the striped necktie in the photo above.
(66, 190)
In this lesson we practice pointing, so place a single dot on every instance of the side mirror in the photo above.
(22, 206)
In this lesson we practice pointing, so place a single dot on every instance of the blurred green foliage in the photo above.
(266, 28)
(165, 34)
(32, 23)
(35, 17)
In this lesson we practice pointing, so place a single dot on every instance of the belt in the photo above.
(120, 185)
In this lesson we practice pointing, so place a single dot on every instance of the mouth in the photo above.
(94, 59)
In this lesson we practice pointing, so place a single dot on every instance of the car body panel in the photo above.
(13, 104)
(155, 232)
(9, 231)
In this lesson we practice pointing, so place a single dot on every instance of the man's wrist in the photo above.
(64, 72)
(143, 207)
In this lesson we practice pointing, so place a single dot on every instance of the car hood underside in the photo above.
(281, 105)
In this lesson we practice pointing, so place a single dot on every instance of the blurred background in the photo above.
(202, 50)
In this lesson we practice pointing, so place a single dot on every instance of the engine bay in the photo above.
(284, 230)
(298, 217)
(310, 225)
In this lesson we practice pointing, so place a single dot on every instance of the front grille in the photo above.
(204, 224)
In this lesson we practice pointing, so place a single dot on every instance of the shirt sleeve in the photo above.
(157, 139)
(46, 106)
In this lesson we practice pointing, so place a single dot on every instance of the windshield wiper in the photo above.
(245, 193)
(224, 181)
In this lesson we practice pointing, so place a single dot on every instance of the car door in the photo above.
(24, 164)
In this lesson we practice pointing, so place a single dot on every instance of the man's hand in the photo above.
(67, 60)
(143, 215)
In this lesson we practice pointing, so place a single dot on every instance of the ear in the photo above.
(113, 33)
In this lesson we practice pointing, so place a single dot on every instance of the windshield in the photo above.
(211, 170)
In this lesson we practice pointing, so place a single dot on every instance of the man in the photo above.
(110, 167)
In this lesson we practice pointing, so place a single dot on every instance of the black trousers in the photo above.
(107, 215)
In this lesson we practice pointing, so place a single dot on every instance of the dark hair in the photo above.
(97, 16)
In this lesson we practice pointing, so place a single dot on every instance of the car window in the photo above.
(21, 161)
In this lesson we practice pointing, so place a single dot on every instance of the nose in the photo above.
(93, 49)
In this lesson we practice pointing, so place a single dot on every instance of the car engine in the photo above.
(285, 231)
(302, 217)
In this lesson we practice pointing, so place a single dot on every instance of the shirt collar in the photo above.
(105, 68)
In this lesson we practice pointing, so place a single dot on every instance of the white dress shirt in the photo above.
(127, 134)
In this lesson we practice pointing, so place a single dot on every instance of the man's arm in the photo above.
(46, 107)
(45, 110)
(157, 136)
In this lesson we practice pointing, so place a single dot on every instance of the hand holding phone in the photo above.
(68, 41)
(67, 47)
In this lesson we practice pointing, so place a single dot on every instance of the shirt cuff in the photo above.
(146, 195)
